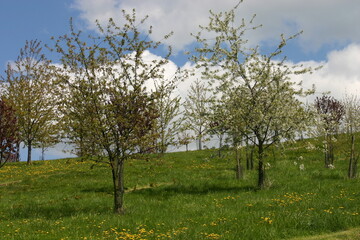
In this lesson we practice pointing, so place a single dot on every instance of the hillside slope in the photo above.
(184, 195)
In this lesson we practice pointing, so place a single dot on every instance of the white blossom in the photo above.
(302, 167)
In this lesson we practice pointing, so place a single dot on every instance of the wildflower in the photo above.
(212, 236)
(302, 167)
(331, 166)
(328, 211)
(267, 220)
(309, 146)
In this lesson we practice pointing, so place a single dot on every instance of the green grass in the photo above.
(351, 234)
(187, 195)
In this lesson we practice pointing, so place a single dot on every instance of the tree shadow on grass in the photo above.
(177, 189)
(327, 175)
(105, 190)
(54, 211)
(73, 206)
(174, 189)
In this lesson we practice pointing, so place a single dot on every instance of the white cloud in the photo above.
(340, 73)
(92, 10)
(323, 21)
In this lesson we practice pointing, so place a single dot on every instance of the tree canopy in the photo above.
(9, 135)
(109, 93)
(29, 86)
(256, 88)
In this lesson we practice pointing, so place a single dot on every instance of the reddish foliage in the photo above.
(8, 134)
(332, 110)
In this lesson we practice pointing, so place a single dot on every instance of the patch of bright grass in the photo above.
(351, 234)
(184, 195)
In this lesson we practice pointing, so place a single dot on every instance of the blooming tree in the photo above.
(108, 94)
(352, 125)
(29, 90)
(196, 114)
(330, 113)
(262, 101)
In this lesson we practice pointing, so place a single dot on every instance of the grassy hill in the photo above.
(184, 195)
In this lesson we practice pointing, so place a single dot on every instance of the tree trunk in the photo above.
(200, 146)
(261, 179)
(249, 157)
(162, 148)
(252, 157)
(331, 153)
(261, 168)
(353, 160)
(118, 180)
(29, 153)
(239, 170)
(247, 154)
(327, 151)
(18, 152)
(81, 153)
(220, 145)
(42, 153)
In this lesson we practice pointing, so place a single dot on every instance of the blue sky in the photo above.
(331, 35)
(22, 20)
(328, 25)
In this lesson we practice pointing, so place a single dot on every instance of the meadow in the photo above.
(183, 195)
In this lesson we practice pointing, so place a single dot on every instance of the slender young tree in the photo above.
(351, 119)
(262, 99)
(197, 109)
(218, 125)
(9, 137)
(109, 93)
(168, 123)
(353, 160)
(330, 112)
(352, 126)
(184, 138)
(29, 90)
